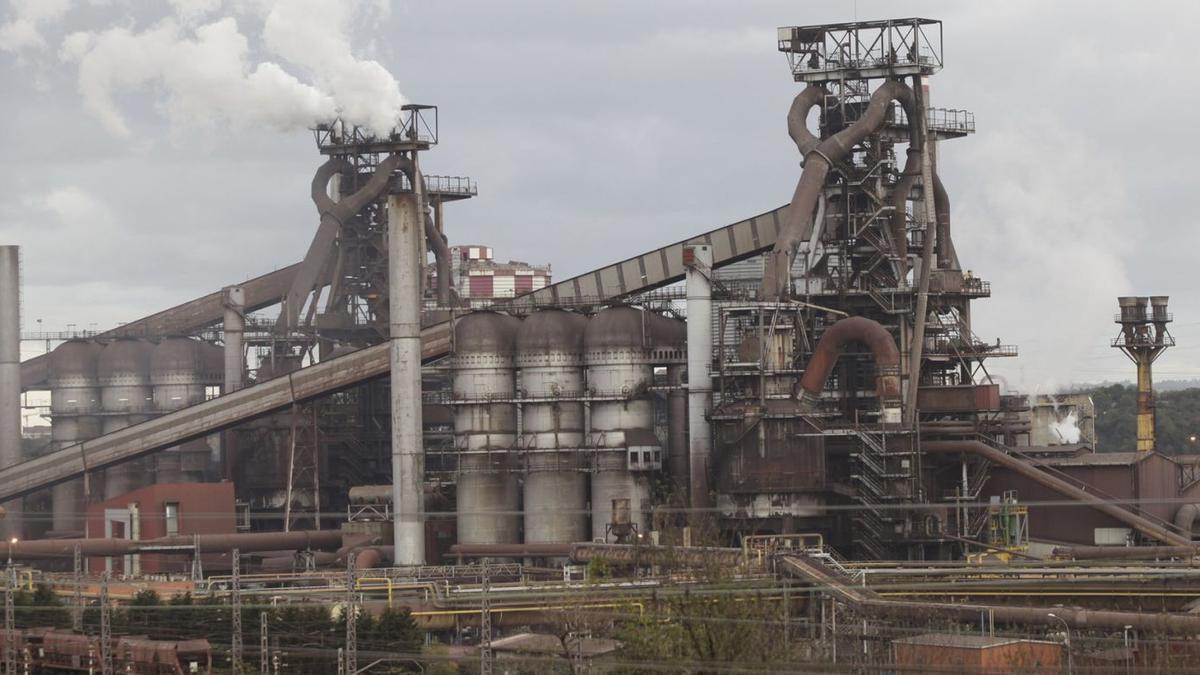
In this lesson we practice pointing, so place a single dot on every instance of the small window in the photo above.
(171, 511)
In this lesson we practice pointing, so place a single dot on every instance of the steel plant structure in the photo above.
(837, 388)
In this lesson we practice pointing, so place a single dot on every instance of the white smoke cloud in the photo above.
(207, 77)
(23, 28)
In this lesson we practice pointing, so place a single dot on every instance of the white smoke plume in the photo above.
(1066, 429)
(203, 67)
(22, 28)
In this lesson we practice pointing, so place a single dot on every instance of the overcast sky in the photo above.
(134, 180)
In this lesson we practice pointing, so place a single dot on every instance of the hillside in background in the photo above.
(1116, 426)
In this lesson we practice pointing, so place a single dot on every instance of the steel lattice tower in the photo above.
(351, 618)
(236, 649)
(106, 655)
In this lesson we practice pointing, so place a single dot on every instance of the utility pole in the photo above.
(77, 593)
(106, 655)
(264, 652)
(486, 660)
(10, 621)
(351, 614)
(197, 566)
(237, 613)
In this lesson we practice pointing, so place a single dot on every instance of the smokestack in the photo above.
(405, 254)
(1142, 338)
(698, 261)
(10, 376)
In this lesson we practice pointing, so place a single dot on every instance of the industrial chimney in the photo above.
(1142, 338)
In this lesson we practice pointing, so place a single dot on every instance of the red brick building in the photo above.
(160, 511)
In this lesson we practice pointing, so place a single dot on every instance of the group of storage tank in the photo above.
(571, 463)
(98, 388)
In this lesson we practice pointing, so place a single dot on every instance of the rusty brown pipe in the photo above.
(833, 342)
(898, 229)
(1126, 552)
(816, 167)
(947, 256)
(208, 543)
(1031, 471)
(441, 256)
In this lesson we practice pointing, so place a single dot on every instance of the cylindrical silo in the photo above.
(74, 415)
(126, 398)
(550, 358)
(180, 371)
(485, 433)
(616, 351)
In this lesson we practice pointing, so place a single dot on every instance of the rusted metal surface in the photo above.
(959, 399)
(1063, 487)
(209, 543)
(833, 341)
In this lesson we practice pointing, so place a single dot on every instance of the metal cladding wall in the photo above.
(550, 357)
(1146, 478)
(75, 412)
(485, 433)
(617, 358)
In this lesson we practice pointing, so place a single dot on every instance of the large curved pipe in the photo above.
(996, 456)
(883, 348)
(441, 255)
(797, 119)
(898, 229)
(947, 256)
(332, 214)
(816, 167)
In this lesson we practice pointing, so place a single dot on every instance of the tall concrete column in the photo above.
(698, 261)
(10, 375)
(233, 329)
(405, 254)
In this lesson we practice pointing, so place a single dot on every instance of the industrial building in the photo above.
(810, 373)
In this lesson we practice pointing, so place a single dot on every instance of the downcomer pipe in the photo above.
(405, 252)
(1139, 523)
(10, 376)
(699, 369)
(332, 214)
(812, 180)
(883, 348)
(441, 256)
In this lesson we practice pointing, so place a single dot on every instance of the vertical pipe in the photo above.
(926, 216)
(1145, 400)
(234, 329)
(10, 375)
(698, 260)
(408, 459)
(677, 426)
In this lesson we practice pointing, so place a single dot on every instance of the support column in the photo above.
(234, 329)
(10, 376)
(405, 254)
(698, 261)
